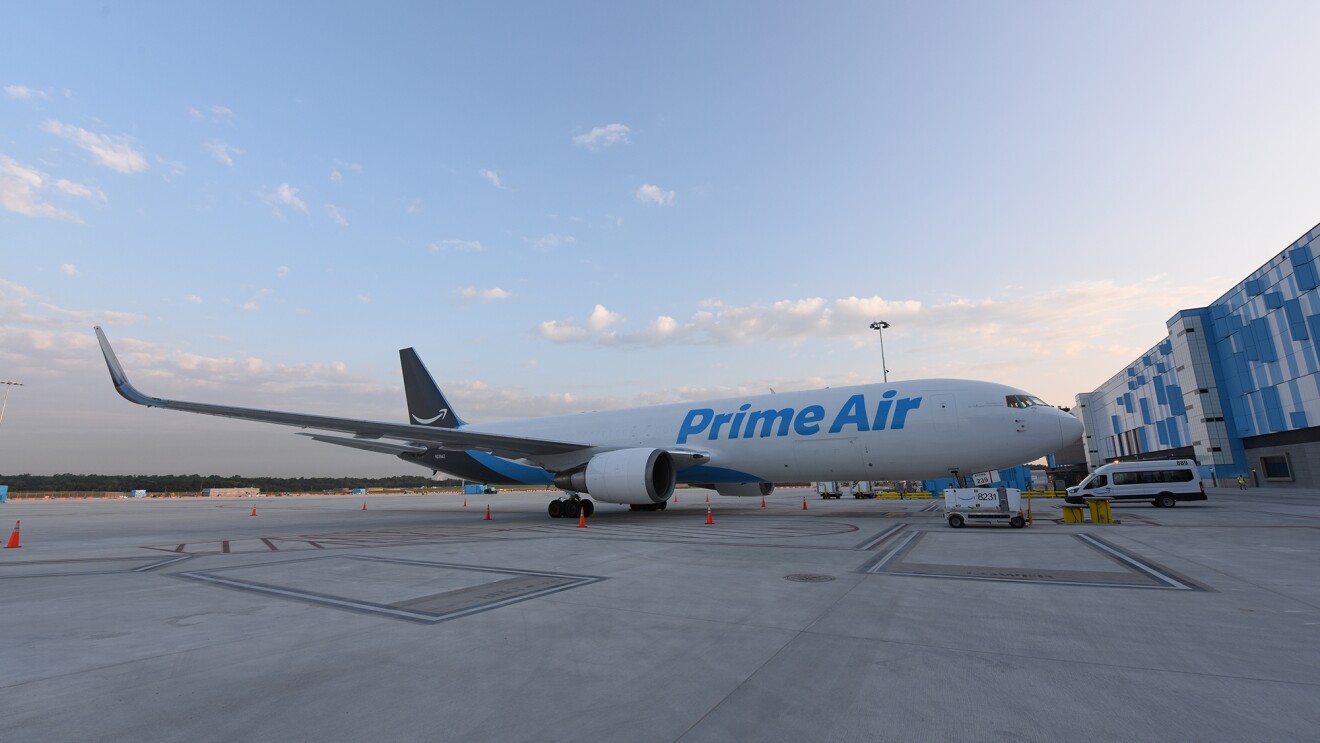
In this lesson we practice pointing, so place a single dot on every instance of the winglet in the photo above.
(122, 385)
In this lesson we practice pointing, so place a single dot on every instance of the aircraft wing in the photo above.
(453, 439)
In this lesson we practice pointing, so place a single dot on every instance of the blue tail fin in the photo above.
(427, 406)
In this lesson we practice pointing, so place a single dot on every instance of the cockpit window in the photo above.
(1024, 401)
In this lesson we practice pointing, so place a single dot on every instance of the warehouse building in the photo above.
(1233, 385)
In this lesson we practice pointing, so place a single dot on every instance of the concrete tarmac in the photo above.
(417, 619)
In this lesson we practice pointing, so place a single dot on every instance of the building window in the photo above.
(1276, 467)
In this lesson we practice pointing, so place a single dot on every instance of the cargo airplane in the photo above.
(739, 446)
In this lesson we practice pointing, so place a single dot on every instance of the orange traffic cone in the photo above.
(13, 538)
(488, 512)
(710, 519)
(465, 502)
(364, 505)
(582, 519)
(708, 499)
(762, 501)
(804, 503)
(254, 510)
(675, 496)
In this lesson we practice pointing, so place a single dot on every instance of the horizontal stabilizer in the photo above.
(384, 447)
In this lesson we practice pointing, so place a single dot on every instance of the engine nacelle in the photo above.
(745, 489)
(632, 476)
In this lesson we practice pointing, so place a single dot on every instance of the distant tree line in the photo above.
(194, 483)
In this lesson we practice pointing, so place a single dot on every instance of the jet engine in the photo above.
(632, 476)
(745, 489)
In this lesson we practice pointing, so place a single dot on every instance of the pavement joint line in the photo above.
(1142, 565)
(566, 582)
(74, 574)
(880, 538)
(1230, 576)
(1132, 564)
(162, 563)
(806, 629)
(963, 650)
(875, 565)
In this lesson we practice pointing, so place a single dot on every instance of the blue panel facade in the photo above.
(1254, 362)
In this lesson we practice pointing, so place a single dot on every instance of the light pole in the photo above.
(5, 404)
(880, 325)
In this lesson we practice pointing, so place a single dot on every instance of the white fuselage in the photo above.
(901, 430)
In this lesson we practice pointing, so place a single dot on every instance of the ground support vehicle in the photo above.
(827, 490)
(984, 506)
(863, 489)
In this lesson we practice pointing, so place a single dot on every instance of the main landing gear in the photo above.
(570, 507)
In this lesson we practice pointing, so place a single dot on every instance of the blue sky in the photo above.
(576, 206)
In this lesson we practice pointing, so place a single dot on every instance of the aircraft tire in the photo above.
(661, 506)
(588, 508)
(556, 508)
(571, 509)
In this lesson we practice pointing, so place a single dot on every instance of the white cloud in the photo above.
(364, 299)
(286, 194)
(249, 306)
(281, 272)
(484, 295)
(173, 168)
(414, 207)
(193, 298)
(336, 215)
(468, 245)
(79, 190)
(20, 187)
(603, 137)
(222, 152)
(23, 92)
(562, 332)
(337, 172)
(649, 194)
(492, 177)
(602, 318)
(1069, 320)
(20, 307)
(69, 269)
(552, 241)
(217, 114)
(113, 151)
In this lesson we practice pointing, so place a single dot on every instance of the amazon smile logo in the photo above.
(428, 421)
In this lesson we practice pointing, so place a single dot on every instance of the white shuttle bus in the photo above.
(1163, 482)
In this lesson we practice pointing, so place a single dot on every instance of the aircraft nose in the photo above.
(1070, 429)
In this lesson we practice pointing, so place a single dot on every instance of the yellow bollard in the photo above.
(1073, 514)
(1100, 511)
